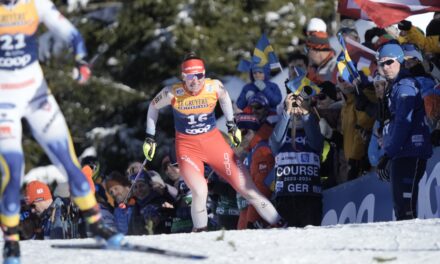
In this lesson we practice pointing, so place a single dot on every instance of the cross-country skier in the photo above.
(198, 140)
(24, 94)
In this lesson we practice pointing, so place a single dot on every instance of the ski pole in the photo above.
(123, 205)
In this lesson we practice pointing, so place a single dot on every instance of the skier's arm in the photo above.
(61, 27)
(225, 102)
(162, 99)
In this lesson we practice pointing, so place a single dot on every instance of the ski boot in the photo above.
(11, 252)
(280, 224)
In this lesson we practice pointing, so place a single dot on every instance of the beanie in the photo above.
(247, 121)
(392, 50)
(316, 24)
(37, 191)
(318, 41)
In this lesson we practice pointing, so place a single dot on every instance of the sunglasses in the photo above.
(340, 79)
(244, 132)
(198, 76)
(387, 62)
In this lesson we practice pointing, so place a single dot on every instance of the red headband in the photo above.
(193, 66)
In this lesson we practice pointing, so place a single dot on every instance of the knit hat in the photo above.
(391, 50)
(37, 191)
(247, 121)
(116, 178)
(316, 24)
(318, 41)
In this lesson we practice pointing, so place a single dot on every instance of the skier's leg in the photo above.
(11, 170)
(192, 171)
(50, 130)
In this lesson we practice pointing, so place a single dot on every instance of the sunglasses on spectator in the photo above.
(166, 164)
(387, 62)
(191, 76)
(244, 132)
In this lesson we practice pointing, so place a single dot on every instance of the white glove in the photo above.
(326, 129)
(260, 84)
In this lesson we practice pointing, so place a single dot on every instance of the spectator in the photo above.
(58, 218)
(356, 127)
(118, 187)
(405, 135)
(259, 160)
(322, 59)
(260, 84)
(148, 216)
(333, 163)
(297, 153)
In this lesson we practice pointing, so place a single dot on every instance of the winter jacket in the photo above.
(354, 124)
(427, 44)
(406, 132)
(271, 91)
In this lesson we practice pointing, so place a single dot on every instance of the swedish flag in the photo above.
(345, 65)
(263, 56)
(303, 86)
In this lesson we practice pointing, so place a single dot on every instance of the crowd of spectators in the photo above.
(313, 143)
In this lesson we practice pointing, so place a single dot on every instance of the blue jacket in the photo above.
(271, 91)
(406, 132)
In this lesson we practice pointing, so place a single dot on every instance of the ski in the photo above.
(132, 248)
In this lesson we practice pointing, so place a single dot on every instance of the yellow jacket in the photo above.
(427, 44)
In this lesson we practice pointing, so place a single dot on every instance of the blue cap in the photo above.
(392, 50)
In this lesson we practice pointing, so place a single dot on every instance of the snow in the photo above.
(413, 241)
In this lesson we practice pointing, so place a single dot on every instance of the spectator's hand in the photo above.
(260, 84)
(326, 129)
(382, 169)
(149, 147)
(82, 72)
(234, 133)
(157, 182)
(404, 25)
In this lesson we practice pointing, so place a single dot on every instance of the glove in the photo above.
(404, 25)
(260, 84)
(82, 72)
(234, 133)
(383, 170)
(326, 129)
(149, 147)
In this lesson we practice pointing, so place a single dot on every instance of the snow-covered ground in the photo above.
(415, 241)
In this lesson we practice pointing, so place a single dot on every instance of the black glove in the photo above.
(404, 25)
(383, 170)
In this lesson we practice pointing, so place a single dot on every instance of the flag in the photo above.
(263, 56)
(351, 9)
(345, 65)
(301, 85)
(364, 57)
(386, 12)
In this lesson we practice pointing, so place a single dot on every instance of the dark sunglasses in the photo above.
(195, 75)
(387, 62)
(340, 79)
(244, 132)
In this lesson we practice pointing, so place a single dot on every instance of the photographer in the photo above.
(296, 143)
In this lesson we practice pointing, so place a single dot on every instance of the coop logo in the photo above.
(20, 61)
(351, 214)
